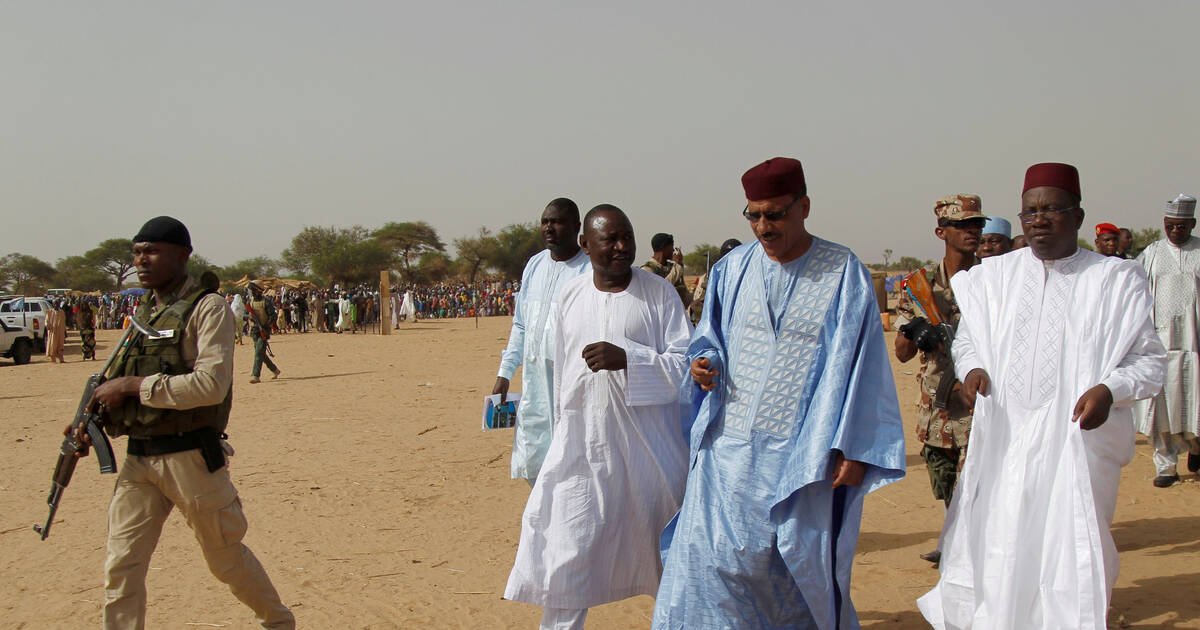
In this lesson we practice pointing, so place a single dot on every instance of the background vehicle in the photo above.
(16, 343)
(28, 313)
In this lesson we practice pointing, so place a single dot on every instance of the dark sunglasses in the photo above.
(963, 224)
(772, 216)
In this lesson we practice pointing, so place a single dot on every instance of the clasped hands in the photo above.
(1091, 410)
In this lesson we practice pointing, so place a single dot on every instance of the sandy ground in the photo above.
(375, 501)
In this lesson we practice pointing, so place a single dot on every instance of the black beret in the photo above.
(164, 230)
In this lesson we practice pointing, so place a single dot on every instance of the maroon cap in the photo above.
(774, 178)
(1061, 176)
(1107, 228)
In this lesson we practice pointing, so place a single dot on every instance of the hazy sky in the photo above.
(250, 120)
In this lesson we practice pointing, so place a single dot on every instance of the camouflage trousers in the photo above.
(943, 465)
(87, 342)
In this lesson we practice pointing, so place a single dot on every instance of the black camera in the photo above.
(926, 336)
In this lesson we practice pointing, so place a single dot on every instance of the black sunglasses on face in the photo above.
(772, 216)
(963, 224)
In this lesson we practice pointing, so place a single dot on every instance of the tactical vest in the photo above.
(261, 315)
(148, 357)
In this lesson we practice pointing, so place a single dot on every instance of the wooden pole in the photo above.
(385, 303)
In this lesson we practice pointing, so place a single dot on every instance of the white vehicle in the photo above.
(16, 343)
(28, 313)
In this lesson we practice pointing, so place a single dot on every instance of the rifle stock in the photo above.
(918, 288)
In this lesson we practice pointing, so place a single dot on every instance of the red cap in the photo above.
(1061, 176)
(1107, 228)
(774, 178)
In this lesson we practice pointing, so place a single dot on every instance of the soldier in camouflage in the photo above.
(943, 419)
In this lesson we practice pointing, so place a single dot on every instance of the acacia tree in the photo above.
(697, 261)
(24, 274)
(515, 245)
(474, 252)
(77, 272)
(1142, 239)
(312, 241)
(113, 257)
(198, 264)
(257, 267)
(431, 268)
(352, 261)
(409, 240)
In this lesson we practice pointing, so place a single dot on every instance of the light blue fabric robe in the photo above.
(762, 539)
(531, 344)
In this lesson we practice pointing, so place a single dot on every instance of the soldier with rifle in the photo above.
(262, 312)
(170, 392)
(926, 320)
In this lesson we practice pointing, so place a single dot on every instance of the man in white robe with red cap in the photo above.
(1054, 346)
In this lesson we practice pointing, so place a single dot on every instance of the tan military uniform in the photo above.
(150, 486)
(673, 273)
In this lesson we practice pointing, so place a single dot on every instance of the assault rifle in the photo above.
(263, 333)
(89, 422)
(937, 332)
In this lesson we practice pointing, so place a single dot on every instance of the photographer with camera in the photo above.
(943, 421)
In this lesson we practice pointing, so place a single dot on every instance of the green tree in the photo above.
(409, 240)
(257, 267)
(198, 264)
(352, 262)
(25, 275)
(113, 257)
(79, 273)
(908, 263)
(1142, 239)
(695, 263)
(515, 245)
(887, 257)
(431, 268)
(312, 241)
(475, 252)
(1085, 245)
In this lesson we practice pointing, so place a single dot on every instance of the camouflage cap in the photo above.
(959, 208)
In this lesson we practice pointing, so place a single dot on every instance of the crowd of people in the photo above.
(485, 299)
(336, 310)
